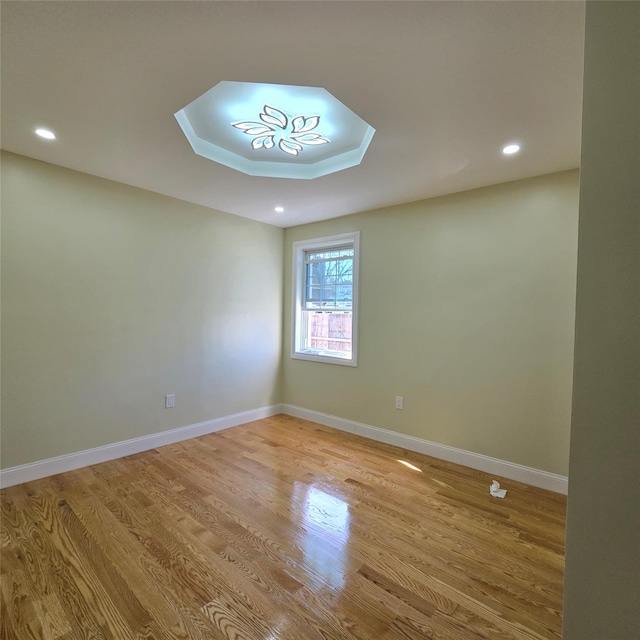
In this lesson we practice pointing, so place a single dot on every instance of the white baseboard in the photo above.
(70, 461)
(493, 466)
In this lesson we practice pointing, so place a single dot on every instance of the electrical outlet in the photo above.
(170, 401)
(399, 402)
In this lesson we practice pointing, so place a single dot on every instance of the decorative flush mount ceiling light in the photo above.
(275, 130)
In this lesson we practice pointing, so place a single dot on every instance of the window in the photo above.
(325, 312)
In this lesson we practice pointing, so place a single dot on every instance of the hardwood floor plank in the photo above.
(54, 620)
(18, 608)
(153, 587)
(248, 581)
(279, 529)
(52, 566)
(408, 596)
(132, 616)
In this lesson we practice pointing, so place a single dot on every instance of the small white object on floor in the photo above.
(496, 491)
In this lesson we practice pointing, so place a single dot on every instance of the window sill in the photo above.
(318, 355)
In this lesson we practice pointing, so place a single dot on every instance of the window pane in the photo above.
(313, 256)
(330, 332)
(344, 293)
(328, 279)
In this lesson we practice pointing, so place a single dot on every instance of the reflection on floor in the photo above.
(323, 517)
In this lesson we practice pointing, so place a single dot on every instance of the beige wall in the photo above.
(602, 578)
(113, 297)
(466, 310)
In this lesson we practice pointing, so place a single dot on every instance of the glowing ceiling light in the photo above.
(294, 132)
(511, 149)
(290, 134)
(279, 209)
(46, 134)
(411, 466)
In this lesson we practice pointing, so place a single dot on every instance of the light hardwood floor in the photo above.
(280, 528)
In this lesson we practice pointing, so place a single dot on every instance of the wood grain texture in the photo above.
(279, 529)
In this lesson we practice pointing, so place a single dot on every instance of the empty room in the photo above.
(320, 320)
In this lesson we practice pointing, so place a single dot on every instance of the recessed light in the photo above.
(46, 134)
(279, 209)
(511, 149)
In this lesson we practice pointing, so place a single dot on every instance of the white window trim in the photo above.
(299, 249)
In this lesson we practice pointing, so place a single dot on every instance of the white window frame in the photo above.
(299, 250)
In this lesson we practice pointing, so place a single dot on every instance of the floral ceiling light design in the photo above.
(289, 133)
(275, 130)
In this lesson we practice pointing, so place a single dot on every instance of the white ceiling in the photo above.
(445, 85)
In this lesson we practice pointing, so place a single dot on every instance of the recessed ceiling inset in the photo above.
(275, 130)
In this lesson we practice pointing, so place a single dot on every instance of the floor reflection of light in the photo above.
(411, 466)
(325, 520)
(326, 511)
